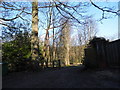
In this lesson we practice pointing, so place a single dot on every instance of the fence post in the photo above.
(53, 63)
(59, 64)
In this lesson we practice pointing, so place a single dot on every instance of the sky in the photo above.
(109, 27)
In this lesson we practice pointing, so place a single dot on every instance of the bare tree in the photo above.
(73, 12)
(34, 38)
(87, 31)
(65, 43)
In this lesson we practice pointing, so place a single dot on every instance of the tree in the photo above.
(73, 12)
(87, 31)
(17, 51)
(65, 43)
(34, 38)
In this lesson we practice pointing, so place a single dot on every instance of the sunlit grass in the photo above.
(76, 64)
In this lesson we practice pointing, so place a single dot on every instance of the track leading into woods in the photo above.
(67, 77)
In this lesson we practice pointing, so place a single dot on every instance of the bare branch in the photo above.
(102, 9)
(61, 13)
(70, 14)
(17, 16)
(8, 26)
(48, 6)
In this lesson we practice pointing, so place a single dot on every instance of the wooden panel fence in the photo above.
(113, 53)
(107, 54)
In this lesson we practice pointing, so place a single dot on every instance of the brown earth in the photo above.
(66, 77)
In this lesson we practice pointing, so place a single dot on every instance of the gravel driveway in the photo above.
(67, 77)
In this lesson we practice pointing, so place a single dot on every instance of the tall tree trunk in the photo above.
(53, 37)
(34, 37)
(46, 52)
(67, 54)
(46, 45)
(65, 40)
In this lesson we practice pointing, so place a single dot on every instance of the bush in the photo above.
(18, 52)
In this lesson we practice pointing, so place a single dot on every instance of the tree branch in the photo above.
(17, 16)
(8, 26)
(104, 10)
(69, 14)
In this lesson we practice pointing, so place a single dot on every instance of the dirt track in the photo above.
(67, 77)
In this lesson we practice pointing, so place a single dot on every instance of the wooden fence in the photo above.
(103, 54)
(113, 53)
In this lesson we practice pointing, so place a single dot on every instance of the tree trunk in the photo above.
(67, 54)
(46, 45)
(34, 37)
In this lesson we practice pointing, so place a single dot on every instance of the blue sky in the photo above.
(109, 27)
